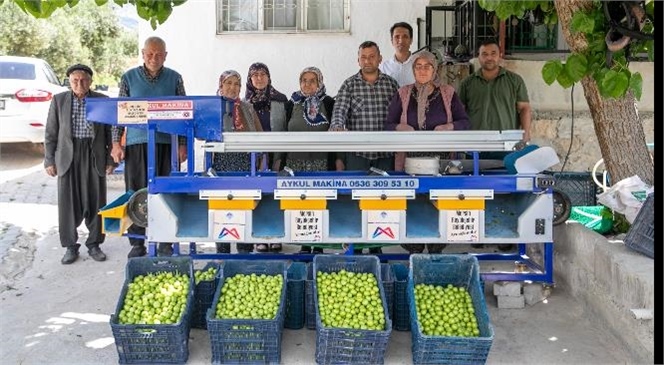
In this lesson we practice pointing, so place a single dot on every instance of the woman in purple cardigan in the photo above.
(425, 105)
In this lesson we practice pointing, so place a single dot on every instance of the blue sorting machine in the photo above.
(475, 206)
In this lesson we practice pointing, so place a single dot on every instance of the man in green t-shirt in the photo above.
(496, 100)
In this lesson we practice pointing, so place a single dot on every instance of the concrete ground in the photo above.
(56, 314)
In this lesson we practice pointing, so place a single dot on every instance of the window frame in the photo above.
(301, 21)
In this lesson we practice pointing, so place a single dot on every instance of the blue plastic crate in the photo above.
(153, 343)
(344, 345)
(310, 305)
(641, 235)
(247, 341)
(387, 277)
(461, 271)
(297, 275)
(579, 186)
(401, 315)
(203, 297)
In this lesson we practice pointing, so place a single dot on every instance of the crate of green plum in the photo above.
(352, 320)
(448, 314)
(151, 320)
(205, 280)
(246, 320)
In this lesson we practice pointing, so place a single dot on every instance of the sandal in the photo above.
(275, 247)
(261, 247)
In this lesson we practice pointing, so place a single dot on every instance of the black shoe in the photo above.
(137, 251)
(165, 249)
(419, 248)
(71, 255)
(506, 248)
(376, 250)
(244, 247)
(317, 250)
(96, 253)
(436, 248)
(305, 249)
(223, 247)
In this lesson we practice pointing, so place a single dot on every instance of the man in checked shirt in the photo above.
(361, 105)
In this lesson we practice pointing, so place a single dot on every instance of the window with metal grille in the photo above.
(283, 16)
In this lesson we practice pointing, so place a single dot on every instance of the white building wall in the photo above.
(200, 55)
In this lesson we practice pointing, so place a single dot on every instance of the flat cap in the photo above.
(79, 67)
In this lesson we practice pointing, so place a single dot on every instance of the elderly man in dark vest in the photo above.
(150, 80)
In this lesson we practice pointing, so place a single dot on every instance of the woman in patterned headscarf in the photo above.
(426, 105)
(270, 105)
(308, 110)
(240, 116)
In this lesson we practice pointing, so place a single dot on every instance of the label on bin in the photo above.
(306, 225)
(463, 225)
(383, 225)
(229, 225)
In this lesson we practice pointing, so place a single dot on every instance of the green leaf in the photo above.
(178, 2)
(505, 9)
(488, 5)
(544, 5)
(32, 7)
(576, 66)
(614, 84)
(153, 23)
(650, 45)
(164, 13)
(564, 79)
(581, 22)
(550, 71)
(636, 85)
(101, 2)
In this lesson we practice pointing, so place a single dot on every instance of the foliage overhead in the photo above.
(154, 11)
(85, 34)
(609, 69)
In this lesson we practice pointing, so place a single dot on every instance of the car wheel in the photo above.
(562, 207)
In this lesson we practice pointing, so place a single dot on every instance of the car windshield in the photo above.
(17, 71)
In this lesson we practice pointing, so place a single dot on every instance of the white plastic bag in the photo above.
(626, 197)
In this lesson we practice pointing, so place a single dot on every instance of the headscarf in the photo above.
(261, 98)
(311, 104)
(238, 122)
(425, 90)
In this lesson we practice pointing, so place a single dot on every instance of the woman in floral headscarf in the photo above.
(240, 116)
(308, 110)
(270, 105)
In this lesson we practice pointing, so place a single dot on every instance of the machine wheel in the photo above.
(562, 207)
(137, 208)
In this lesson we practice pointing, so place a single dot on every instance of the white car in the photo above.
(27, 86)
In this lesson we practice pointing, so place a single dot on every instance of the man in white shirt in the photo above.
(400, 67)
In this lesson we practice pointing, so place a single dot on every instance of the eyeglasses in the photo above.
(425, 67)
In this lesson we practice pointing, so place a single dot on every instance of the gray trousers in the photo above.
(81, 193)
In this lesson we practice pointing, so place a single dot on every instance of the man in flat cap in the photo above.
(78, 152)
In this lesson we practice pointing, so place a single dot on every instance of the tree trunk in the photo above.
(617, 123)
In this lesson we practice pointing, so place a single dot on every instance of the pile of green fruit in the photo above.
(350, 300)
(207, 275)
(250, 297)
(155, 298)
(445, 311)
